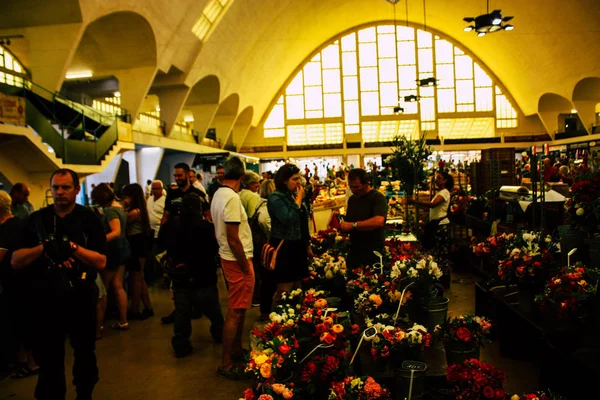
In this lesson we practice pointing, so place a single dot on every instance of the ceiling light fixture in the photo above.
(411, 98)
(5, 39)
(488, 23)
(79, 75)
(398, 110)
(431, 81)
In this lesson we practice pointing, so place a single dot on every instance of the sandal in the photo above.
(24, 372)
(233, 373)
(121, 327)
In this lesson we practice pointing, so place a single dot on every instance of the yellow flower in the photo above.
(288, 394)
(375, 298)
(582, 282)
(259, 360)
(278, 388)
(515, 397)
(337, 328)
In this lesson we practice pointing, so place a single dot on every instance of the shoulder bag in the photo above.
(269, 255)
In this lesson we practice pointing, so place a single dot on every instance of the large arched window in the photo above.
(356, 83)
(11, 71)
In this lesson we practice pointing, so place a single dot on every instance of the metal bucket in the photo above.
(437, 312)
(402, 384)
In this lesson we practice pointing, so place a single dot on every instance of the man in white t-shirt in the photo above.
(235, 248)
(195, 182)
(156, 205)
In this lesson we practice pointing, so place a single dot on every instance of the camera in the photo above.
(57, 249)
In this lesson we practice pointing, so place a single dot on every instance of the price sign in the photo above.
(414, 365)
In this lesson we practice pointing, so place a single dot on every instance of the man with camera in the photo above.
(63, 246)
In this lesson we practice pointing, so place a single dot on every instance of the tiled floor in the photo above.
(139, 364)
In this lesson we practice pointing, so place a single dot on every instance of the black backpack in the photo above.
(259, 237)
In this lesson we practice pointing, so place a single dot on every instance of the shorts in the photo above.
(139, 245)
(117, 253)
(241, 286)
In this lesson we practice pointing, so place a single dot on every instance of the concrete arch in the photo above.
(241, 127)
(550, 105)
(121, 44)
(225, 117)
(203, 102)
(586, 98)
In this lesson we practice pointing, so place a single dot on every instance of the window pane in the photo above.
(407, 77)
(350, 88)
(295, 86)
(331, 56)
(427, 109)
(464, 67)
(333, 105)
(368, 79)
(443, 51)
(275, 119)
(366, 35)
(295, 107)
(273, 133)
(425, 61)
(351, 129)
(388, 94)
(405, 33)
(349, 42)
(367, 54)
(370, 103)
(386, 45)
(446, 100)
(312, 74)
(424, 39)
(385, 29)
(387, 70)
(481, 77)
(464, 92)
(351, 113)
(349, 63)
(445, 75)
(331, 81)
(483, 99)
(314, 114)
(406, 53)
(426, 91)
(314, 98)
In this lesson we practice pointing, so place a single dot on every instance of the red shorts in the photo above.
(241, 286)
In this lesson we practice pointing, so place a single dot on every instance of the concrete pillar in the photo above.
(108, 175)
(148, 160)
(204, 115)
(172, 100)
(586, 109)
(134, 84)
(550, 121)
(131, 158)
(223, 124)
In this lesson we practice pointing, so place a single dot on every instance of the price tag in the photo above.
(414, 365)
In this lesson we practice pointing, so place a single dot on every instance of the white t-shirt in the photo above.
(156, 210)
(441, 211)
(226, 207)
(198, 185)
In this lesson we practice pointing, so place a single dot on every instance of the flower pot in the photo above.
(402, 379)
(526, 299)
(437, 312)
(456, 353)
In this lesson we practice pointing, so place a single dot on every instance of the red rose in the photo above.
(500, 395)
(284, 349)
(488, 392)
(463, 334)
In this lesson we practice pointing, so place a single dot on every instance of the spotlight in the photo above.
(488, 23)
(398, 110)
(411, 98)
(6, 40)
(431, 81)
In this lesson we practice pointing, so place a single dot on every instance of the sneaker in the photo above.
(147, 313)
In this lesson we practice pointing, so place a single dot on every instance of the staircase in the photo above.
(77, 134)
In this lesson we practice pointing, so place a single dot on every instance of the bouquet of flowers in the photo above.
(396, 250)
(583, 206)
(328, 272)
(357, 388)
(475, 380)
(493, 245)
(530, 256)
(395, 339)
(421, 272)
(466, 330)
(407, 162)
(568, 293)
(273, 391)
(459, 200)
(276, 352)
(330, 240)
(539, 395)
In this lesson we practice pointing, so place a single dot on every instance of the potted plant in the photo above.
(463, 337)
(407, 161)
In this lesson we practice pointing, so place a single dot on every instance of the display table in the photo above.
(404, 237)
(568, 363)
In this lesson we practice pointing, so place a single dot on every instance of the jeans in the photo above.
(55, 318)
(204, 300)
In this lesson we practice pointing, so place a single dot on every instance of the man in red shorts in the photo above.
(235, 249)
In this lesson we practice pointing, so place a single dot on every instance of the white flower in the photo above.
(290, 311)
(421, 264)
(515, 252)
(414, 337)
(413, 273)
(274, 317)
(395, 273)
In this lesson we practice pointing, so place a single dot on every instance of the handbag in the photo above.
(269, 255)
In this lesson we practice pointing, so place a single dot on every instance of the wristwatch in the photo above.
(74, 247)
(355, 226)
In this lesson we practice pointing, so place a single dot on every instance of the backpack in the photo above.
(259, 237)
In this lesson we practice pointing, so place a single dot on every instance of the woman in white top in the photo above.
(435, 233)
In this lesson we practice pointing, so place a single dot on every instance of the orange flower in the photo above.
(288, 394)
(321, 303)
(278, 388)
(265, 370)
(337, 328)
(375, 298)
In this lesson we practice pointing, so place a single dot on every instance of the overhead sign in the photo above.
(12, 110)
